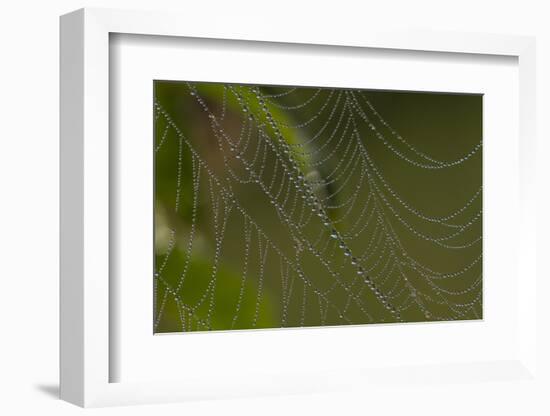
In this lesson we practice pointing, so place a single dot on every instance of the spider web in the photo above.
(291, 206)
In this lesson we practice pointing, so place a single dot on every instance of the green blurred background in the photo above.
(444, 126)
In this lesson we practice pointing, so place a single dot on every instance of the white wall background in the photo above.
(29, 185)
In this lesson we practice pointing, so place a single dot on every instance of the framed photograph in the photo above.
(271, 212)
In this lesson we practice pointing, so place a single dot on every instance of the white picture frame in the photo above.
(86, 303)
